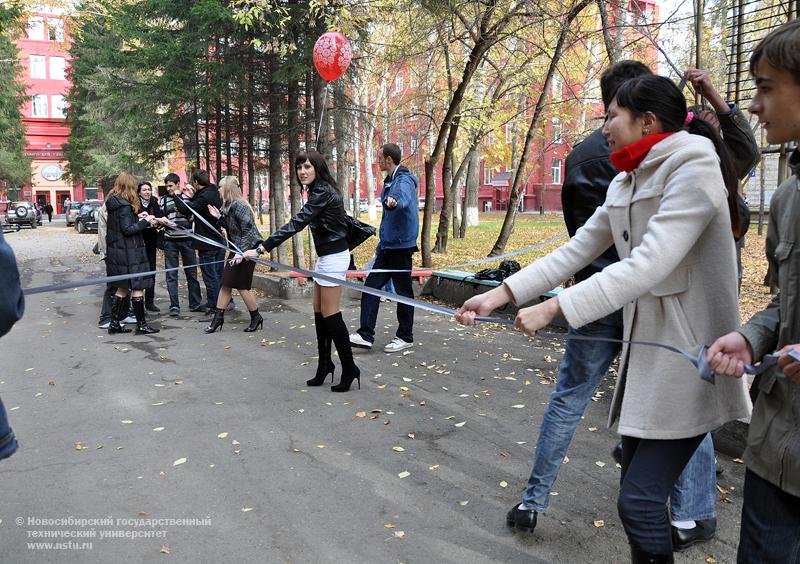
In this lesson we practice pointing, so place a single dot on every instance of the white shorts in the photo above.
(334, 265)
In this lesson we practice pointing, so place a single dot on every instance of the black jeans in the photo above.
(212, 273)
(390, 259)
(770, 523)
(649, 470)
(149, 293)
(175, 252)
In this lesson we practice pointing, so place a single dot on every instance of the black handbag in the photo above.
(357, 231)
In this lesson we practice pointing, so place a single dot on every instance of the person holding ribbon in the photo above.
(149, 205)
(670, 214)
(239, 221)
(324, 212)
(127, 253)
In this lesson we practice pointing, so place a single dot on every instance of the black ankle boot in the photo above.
(639, 556)
(256, 322)
(325, 365)
(119, 310)
(217, 321)
(142, 328)
(337, 329)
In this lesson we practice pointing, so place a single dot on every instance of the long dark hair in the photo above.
(320, 166)
(659, 95)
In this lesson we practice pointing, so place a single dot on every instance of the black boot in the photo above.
(256, 322)
(217, 321)
(119, 309)
(639, 556)
(325, 365)
(142, 328)
(149, 300)
(337, 330)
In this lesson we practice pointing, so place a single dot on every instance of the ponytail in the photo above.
(698, 126)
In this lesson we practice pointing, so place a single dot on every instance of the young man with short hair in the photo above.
(398, 243)
(771, 508)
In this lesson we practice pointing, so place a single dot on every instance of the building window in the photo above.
(400, 144)
(57, 68)
(398, 120)
(36, 27)
(557, 130)
(487, 175)
(55, 30)
(412, 112)
(557, 87)
(556, 170)
(398, 83)
(509, 133)
(412, 80)
(59, 106)
(37, 65)
(39, 106)
(414, 145)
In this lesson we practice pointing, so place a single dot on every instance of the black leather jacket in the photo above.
(324, 211)
(588, 172)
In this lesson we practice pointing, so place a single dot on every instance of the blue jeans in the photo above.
(212, 273)
(582, 368)
(695, 491)
(389, 259)
(770, 521)
(175, 251)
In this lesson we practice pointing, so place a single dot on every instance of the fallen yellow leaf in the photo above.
(222, 435)
(403, 474)
(246, 509)
(503, 484)
(599, 523)
(398, 449)
(179, 462)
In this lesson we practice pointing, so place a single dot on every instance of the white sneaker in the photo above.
(396, 345)
(358, 341)
(130, 319)
(104, 325)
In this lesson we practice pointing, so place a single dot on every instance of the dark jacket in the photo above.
(171, 212)
(199, 203)
(126, 253)
(588, 172)
(150, 235)
(324, 211)
(240, 224)
(400, 225)
(12, 302)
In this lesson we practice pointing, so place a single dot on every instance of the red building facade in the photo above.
(44, 57)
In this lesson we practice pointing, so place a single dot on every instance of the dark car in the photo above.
(23, 213)
(86, 222)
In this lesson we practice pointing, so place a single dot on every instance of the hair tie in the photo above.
(689, 118)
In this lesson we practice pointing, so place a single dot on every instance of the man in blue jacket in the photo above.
(12, 306)
(398, 242)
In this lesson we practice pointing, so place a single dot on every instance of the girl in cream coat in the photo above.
(669, 213)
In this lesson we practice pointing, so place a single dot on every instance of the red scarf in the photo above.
(631, 156)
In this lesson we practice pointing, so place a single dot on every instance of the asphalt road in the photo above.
(199, 448)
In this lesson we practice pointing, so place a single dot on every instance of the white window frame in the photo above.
(509, 134)
(58, 68)
(487, 174)
(36, 28)
(555, 170)
(59, 105)
(398, 119)
(398, 83)
(38, 66)
(414, 145)
(57, 26)
(401, 145)
(39, 101)
(557, 87)
(558, 129)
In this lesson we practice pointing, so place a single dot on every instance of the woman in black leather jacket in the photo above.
(324, 211)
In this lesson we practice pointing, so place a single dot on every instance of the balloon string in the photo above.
(322, 116)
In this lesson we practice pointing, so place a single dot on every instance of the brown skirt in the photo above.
(240, 276)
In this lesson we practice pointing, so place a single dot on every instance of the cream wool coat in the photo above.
(676, 282)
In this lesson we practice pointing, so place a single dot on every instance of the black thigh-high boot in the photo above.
(325, 365)
(337, 329)
(639, 556)
(119, 310)
(142, 328)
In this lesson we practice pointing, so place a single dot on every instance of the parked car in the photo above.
(23, 213)
(7, 227)
(363, 205)
(72, 212)
(86, 222)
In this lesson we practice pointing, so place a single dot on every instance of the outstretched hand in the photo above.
(728, 355)
(482, 304)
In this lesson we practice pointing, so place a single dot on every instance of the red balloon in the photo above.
(332, 54)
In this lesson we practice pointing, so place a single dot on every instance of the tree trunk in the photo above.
(369, 151)
(341, 134)
(240, 159)
(322, 139)
(309, 118)
(511, 212)
(228, 139)
(357, 163)
(296, 200)
(218, 141)
(471, 217)
(611, 48)
(456, 187)
(276, 187)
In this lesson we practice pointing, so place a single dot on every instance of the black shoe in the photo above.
(217, 321)
(639, 556)
(523, 519)
(142, 328)
(703, 531)
(256, 322)
(198, 309)
(347, 380)
(151, 307)
(174, 312)
(616, 454)
(118, 306)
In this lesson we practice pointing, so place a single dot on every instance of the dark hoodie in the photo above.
(400, 225)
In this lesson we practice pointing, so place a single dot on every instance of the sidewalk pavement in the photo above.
(212, 449)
